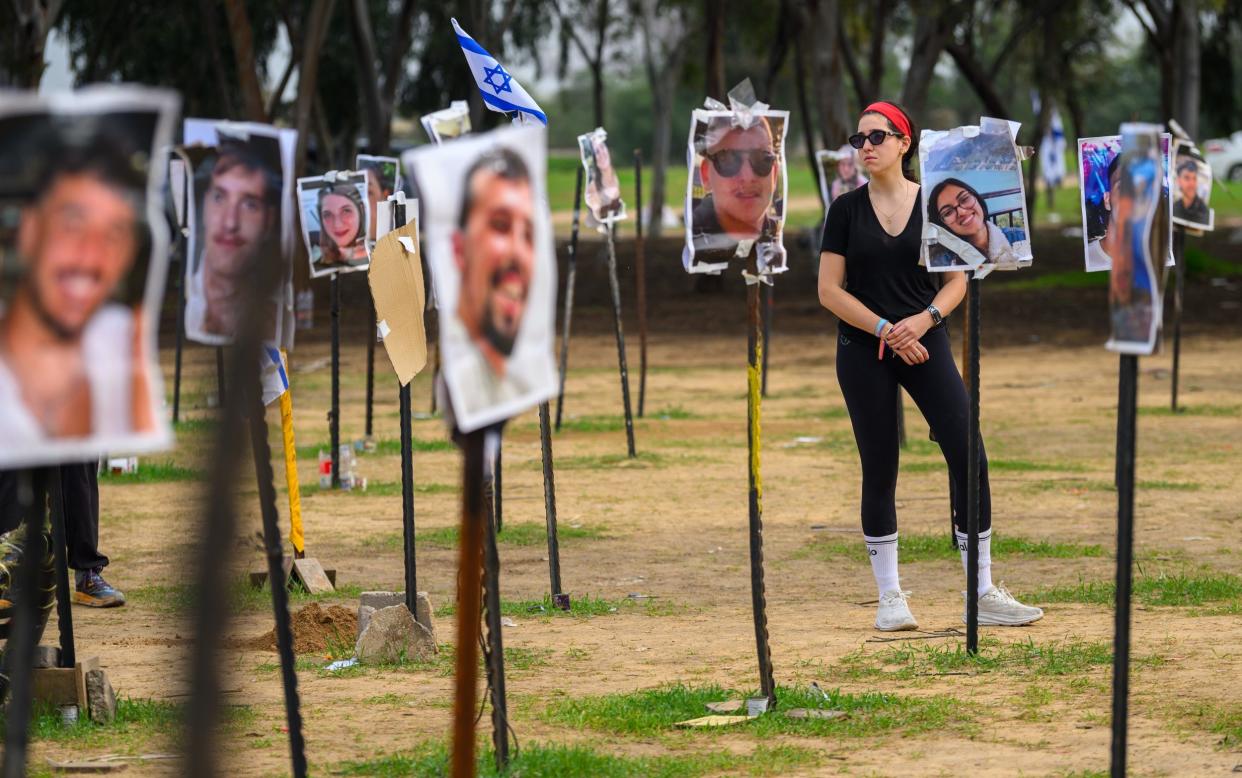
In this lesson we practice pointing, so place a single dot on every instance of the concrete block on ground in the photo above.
(392, 635)
(101, 699)
(365, 612)
(379, 600)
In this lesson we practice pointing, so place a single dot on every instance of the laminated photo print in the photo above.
(488, 239)
(736, 190)
(1192, 187)
(83, 257)
(335, 214)
(236, 222)
(383, 180)
(448, 123)
(1135, 241)
(1098, 169)
(973, 198)
(839, 172)
(602, 192)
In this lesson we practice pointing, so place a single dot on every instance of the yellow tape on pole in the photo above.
(754, 381)
(291, 472)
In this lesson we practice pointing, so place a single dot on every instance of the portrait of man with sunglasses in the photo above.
(739, 169)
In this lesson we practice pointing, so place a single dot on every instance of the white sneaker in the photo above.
(894, 614)
(998, 608)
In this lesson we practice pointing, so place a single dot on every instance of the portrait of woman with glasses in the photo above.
(891, 336)
(956, 206)
(736, 190)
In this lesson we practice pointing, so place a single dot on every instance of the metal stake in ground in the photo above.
(498, 500)
(407, 499)
(972, 476)
(495, 649)
(1127, 412)
(469, 576)
(758, 597)
(571, 270)
(276, 577)
(1179, 276)
(640, 281)
(24, 633)
(549, 501)
(64, 594)
(768, 304)
(220, 398)
(178, 268)
(334, 415)
(371, 365)
(615, 287)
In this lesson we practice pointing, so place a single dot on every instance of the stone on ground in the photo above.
(392, 635)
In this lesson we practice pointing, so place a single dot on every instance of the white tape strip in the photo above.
(382, 328)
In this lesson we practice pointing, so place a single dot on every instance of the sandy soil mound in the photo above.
(314, 627)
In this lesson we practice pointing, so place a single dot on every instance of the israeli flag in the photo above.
(501, 92)
(275, 377)
(1052, 152)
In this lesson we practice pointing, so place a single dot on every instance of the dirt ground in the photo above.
(672, 525)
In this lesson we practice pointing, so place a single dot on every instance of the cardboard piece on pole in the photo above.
(396, 278)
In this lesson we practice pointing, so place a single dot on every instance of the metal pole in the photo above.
(616, 316)
(1127, 406)
(767, 339)
(549, 500)
(1179, 274)
(640, 281)
(64, 594)
(469, 565)
(767, 683)
(23, 638)
(571, 270)
(276, 577)
(972, 479)
(220, 397)
(371, 366)
(179, 286)
(498, 490)
(407, 499)
(495, 649)
(334, 415)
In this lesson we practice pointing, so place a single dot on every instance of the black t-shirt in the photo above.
(882, 271)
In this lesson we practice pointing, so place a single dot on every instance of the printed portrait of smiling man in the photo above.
(71, 359)
(740, 171)
(240, 210)
(494, 250)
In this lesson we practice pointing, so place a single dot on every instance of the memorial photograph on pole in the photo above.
(839, 172)
(603, 191)
(974, 198)
(1137, 235)
(335, 214)
(736, 190)
(1098, 171)
(81, 180)
(448, 123)
(383, 179)
(1192, 188)
(489, 246)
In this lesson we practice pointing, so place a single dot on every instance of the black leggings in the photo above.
(870, 389)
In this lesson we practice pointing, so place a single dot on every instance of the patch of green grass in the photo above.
(390, 489)
(1192, 410)
(649, 712)
(1079, 485)
(602, 423)
(671, 413)
(387, 447)
(999, 466)
(153, 472)
(645, 459)
(201, 424)
(919, 548)
(137, 720)
(1201, 263)
(823, 414)
(537, 760)
(910, 660)
(1224, 719)
(513, 534)
(1194, 588)
(584, 607)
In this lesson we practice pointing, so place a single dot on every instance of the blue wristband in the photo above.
(879, 327)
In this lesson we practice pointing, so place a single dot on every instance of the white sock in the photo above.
(985, 558)
(883, 554)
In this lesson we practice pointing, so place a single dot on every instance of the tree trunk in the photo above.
(932, 31)
(1186, 65)
(828, 72)
(208, 12)
(242, 38)
(778, 52)
(35, 18)
(804, 108)
(368, 77)
(980, 81)
(879, 26)
(597, 62)
(715, 69)
(314, 31)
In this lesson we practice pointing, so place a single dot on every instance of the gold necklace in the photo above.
(888, 217)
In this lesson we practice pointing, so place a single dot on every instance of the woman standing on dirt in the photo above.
(892, 334)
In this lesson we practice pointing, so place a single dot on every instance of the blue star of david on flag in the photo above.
(497, 72)
(493, 80)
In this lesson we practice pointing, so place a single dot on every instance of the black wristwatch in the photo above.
(935, 314)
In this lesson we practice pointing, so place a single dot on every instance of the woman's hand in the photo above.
(914, 354)
(907, 331)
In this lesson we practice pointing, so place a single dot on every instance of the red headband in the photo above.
(893, 114)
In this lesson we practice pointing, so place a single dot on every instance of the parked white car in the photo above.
(1224, 156)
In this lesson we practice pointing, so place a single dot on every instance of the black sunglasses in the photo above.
(728, 163)
(875, 136)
